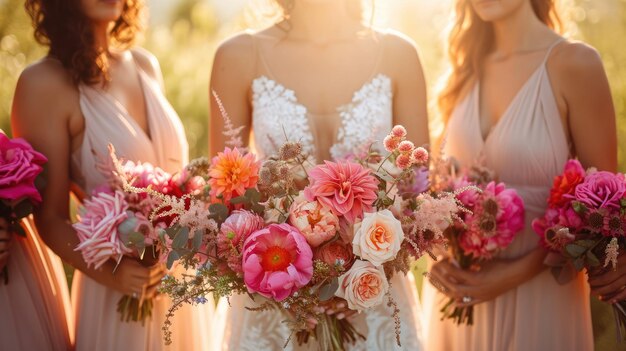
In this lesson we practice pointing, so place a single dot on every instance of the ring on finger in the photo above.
(134, 294)
(466, 299)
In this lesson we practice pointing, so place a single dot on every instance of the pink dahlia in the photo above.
(347, 188)
(233, 232)
(98, 228)
(277, 261)
(231, 173)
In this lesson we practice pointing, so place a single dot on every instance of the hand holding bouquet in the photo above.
(584, 226)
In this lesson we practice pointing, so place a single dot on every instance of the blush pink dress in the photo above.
(98, 324)
(526, 148)
(35, 311)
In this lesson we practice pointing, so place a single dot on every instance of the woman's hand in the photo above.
(5, 243)
(610, 285)
(489, 280)
(133, 279)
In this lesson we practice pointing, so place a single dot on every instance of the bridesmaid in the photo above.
(335, 84)
(91, 90)
(35, 303)
(524, 99)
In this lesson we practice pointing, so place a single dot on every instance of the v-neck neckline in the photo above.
(507, 111)
(127, 116)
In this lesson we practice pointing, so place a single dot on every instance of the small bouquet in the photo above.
(113, 223)
(290, 249)
(494, 215)
(584, 225)
(20, 180)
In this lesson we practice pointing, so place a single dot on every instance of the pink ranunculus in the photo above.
(97, 228)
(601, 190)
(20, 165)
(334, 252)
(315, 221)
(347, 188)
(364, 286)
(233, 232)
(277, 261)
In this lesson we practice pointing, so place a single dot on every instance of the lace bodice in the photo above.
(278, 116)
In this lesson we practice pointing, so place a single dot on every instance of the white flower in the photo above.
(378, 237)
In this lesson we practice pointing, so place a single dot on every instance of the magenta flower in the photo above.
(277, 261)
(233, 232)
(19, 167)
(347, 188)
(98, 228)
(601, 190)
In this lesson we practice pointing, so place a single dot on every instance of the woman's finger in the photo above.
(615, 286)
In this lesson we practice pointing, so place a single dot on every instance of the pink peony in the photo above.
(315, 221)
(601, 190)
(233, 232)
(19, 167)
(98, 228)
(143, 175)
(277, 261)
(347, 188)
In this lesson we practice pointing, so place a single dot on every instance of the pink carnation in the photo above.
(98, 228)
(277, 261)
(19, 167)
(601, 190)
(233, 232)
(347, 188)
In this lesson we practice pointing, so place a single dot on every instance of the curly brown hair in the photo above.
(65, 29)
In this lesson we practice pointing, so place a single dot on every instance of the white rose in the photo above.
(378, 237)
(363, 287)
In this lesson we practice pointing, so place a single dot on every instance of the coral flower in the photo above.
(231, 173)
(277, 261)
(347, 188)
(565, 184)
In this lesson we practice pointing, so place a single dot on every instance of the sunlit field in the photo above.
(184, 34)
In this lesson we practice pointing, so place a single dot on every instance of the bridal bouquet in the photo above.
(113, 223)
(584, 225)
(495, 214)
(295, 238)
(20, 178)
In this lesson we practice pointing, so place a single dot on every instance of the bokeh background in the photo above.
(183, 34)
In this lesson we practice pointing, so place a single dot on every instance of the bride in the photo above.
(323, 78)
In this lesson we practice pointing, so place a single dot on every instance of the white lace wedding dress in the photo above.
(278, 115)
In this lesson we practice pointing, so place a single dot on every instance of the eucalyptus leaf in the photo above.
(328, 291)
(171, 231)
(579, 263)
(258, 209)
(575, 250)
(592, 259)
(171, 258)
(137, 239)
(219, 212)
(253, 195)
(579, 207)
(128, 225)
(181, 238)
(585, 243)
(197, 240)
(239, 200)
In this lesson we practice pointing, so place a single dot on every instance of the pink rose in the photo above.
(347, 188)
(315, 221)
(19, 167)
(233, 232)
(378, 237)
(601, 190)
(363, 287)
(277, 261)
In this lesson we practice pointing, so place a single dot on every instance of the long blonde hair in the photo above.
(470, 40)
